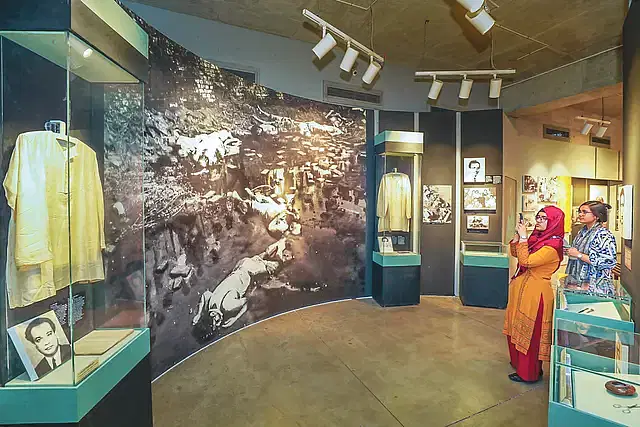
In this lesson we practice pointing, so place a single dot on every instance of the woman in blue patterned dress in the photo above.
(593, 254)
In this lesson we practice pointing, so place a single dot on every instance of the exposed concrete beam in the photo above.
(591, 74)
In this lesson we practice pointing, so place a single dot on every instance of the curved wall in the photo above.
(255, 202)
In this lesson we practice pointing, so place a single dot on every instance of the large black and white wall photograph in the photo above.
(254, 202)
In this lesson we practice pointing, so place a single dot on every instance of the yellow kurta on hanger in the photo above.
(56, 199)
(394, 202)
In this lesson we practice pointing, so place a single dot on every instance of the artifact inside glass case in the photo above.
(72, 256)
(398, 201)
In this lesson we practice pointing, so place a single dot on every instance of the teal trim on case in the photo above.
(399, 136)
(69, 404)
(404, 260)
(562, 416)
(491, 261)
(604, 322)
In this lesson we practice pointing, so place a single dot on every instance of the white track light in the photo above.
(436, 87)
(472, 5)
(586, 128)
(349, 59)
(372, 72)
(481, 20)
(601, 131)
(494, 87)
(465, 88)
(325, 45)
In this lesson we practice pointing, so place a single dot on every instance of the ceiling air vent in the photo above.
(600, 142)
(351, 95)
(556, 133)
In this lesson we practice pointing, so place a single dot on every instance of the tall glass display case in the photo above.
(72, 279)
(396, 272)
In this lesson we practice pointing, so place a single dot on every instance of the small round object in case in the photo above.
(620, 389)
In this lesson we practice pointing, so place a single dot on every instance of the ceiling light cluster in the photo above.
(466, 84)
(328, 42)
(603, 125)
(477, 15)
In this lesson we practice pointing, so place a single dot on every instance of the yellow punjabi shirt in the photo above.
(57, 217)
(394, 202)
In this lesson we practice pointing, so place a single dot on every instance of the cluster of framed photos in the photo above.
(479, 199)
(538, 192)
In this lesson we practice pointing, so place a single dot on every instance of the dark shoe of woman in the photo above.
(516, 378)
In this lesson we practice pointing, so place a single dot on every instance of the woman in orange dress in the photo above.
(529, 315)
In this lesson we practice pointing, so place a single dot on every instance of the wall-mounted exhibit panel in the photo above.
(396, 259)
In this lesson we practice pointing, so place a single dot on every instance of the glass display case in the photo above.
(484, 278)
(398, 217)
(71, 232)
(594, 371)
(583, 306)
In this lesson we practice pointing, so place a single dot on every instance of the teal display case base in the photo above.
(484, 286)
(396, 280)
(562, 416)
(118, 393)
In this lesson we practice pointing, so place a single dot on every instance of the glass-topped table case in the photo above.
(583, 306)
(484, 278)
(72, 281)
(584, 359)
(398, 217)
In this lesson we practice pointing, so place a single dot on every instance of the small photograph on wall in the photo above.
(480, 199)
(478, 223)
(436, 204)
(497, 179)
(489, 179)
(529, 203)
(548, 189)
(474, 170)
(529, 219)
(625, 197)
(41, 344)
(529, 184)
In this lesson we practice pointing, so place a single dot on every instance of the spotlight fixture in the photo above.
(472, 5)
(481, 21)
(465, 88)
(328, 42)
(372, 72)
(436, 87)
(586, 128)
(349, 59)
(466, 84)
(495, 87)
(601, 131)
(590, 122)
(325, 45)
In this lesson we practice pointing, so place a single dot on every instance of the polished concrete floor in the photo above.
(355, 364)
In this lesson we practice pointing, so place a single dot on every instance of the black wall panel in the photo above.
(631, 147)
(482, 137)
(438, 168)
(396, 120)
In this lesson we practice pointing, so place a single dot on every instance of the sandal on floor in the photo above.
(516, 378)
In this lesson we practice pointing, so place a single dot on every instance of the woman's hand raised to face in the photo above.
(521, 229)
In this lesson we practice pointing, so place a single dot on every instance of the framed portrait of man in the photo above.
(474, 170)
(41, 344)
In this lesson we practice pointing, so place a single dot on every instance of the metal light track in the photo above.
(463, 73)
(336, 32)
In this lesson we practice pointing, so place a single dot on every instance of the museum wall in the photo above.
(255, 202)
(439, 169)
(287, 65)
(631, 65)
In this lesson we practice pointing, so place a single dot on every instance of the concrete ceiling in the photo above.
(573, 28)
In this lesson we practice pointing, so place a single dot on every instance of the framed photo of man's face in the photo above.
(474, 170)
(41, 344)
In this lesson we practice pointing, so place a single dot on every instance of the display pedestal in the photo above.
(484, 281)
(396, 279)
(118, 393)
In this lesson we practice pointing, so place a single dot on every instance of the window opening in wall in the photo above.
(556, 133)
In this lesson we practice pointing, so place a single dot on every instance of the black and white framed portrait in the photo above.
(478, 223)
(41, 344)
(474, 170)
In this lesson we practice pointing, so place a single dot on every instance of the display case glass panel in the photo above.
(397, 201)
(592, 369)
(72, 246)
(615, 308)
(485, 248)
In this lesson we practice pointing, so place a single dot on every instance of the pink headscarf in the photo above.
(553, 236)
